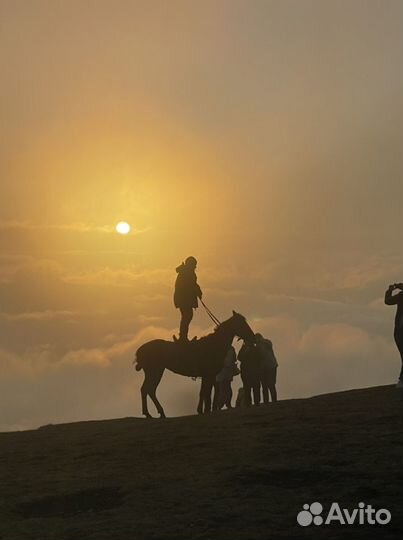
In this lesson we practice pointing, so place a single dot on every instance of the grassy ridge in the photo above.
(241, 474)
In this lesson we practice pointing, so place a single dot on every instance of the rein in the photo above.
(215, 319)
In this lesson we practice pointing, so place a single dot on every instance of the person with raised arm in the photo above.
(397, 300)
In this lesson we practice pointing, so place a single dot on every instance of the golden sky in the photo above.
(262, 137)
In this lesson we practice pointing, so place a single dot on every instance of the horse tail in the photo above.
(138, 360)
(146, 355)
(137, 363)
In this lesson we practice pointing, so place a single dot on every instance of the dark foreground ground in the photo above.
(242, 474)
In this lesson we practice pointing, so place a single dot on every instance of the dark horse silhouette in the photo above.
(199, 358)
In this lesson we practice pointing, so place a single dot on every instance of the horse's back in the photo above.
(150, 353)
(152, 346)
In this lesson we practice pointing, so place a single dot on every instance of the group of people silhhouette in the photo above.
(213, 358)
(258, 372)
(258, 364)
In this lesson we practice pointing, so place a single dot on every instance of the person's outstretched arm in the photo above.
(391, 300)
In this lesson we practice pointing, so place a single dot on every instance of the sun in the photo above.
(123, 227)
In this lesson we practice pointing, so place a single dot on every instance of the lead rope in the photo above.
(215, 319)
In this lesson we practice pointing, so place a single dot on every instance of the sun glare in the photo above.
(123, 227)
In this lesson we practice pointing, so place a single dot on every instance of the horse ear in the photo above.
(234, 313)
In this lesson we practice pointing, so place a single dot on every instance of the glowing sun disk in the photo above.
(123, 227)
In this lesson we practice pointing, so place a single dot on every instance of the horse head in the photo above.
(241, 328)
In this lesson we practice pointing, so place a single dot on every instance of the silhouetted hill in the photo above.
(242, 474)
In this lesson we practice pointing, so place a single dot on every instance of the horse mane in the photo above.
(219, 328)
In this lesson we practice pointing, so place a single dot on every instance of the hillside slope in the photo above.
(241, 474)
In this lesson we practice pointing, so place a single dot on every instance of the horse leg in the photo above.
(152, 391)
(144, 392)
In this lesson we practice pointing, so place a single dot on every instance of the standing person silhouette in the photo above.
(249, 358)
(187, 292)
(268, 368)
(397, 300)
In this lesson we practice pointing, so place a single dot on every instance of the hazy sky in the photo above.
(262, 137)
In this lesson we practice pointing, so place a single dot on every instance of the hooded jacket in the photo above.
(187, 290)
